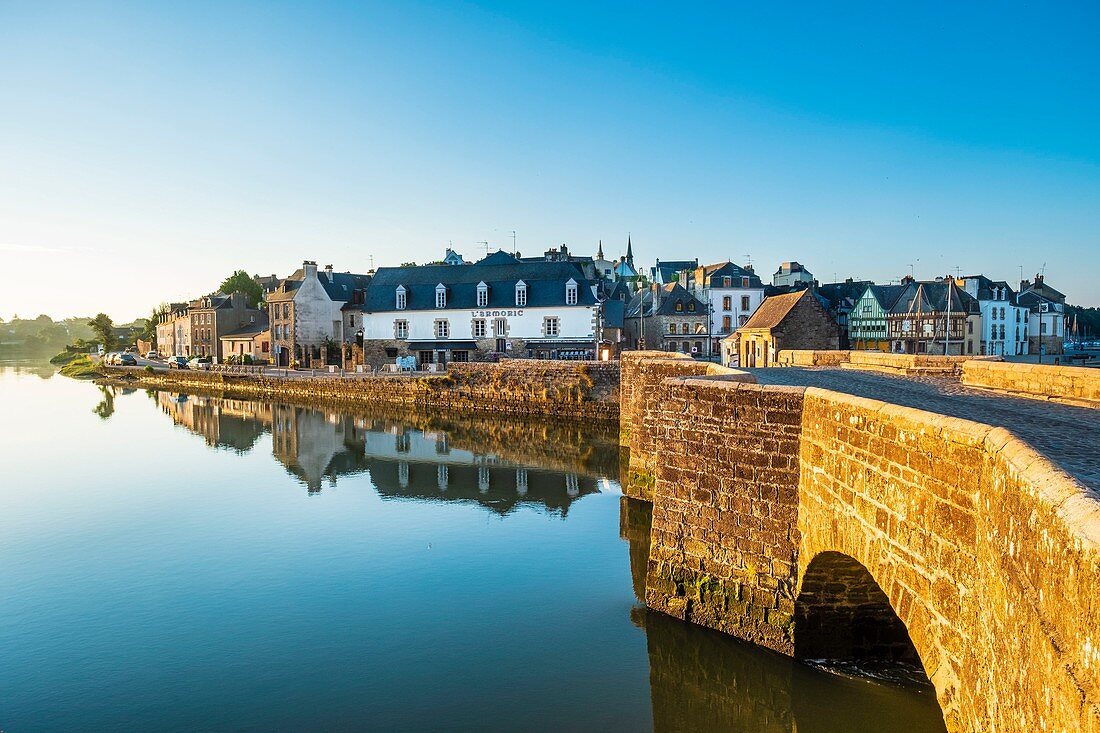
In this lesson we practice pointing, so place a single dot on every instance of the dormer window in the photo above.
(727, 281)
(571, 292)
(691, 306)
(401, 298)
(482, 295)
(521, 294)
(440, 296)
(744, 282)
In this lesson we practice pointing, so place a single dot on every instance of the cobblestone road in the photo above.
(1069, 436)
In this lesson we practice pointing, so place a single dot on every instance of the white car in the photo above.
(152, 355)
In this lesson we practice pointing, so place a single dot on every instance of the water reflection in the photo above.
(497, 465)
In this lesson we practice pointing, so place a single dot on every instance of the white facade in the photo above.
(1004, 328)
(1047, 329)
(465, 324)
(730, 307)
(317, 317)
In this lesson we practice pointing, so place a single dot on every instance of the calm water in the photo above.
(179, 563)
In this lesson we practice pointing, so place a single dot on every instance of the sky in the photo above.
(147, 150)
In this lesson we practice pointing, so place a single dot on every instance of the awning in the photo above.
(442, 346)
(560, 344)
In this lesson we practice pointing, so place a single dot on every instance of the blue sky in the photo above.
(146, 150)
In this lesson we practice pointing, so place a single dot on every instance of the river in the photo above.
(174, 562)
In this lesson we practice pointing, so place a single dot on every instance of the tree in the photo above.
(408, 264)
(103, 327)
(241, 282)
(149, 333)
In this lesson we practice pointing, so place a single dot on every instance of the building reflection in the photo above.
(498, 464)
(224, 423)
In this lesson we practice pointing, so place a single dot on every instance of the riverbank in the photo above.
(572, 390)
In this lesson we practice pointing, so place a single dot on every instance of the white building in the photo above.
(531, 308)
(732, 295)
(790, 274)
(1005, 324)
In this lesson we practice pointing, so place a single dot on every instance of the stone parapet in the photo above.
(878, 361)
(1077, 385)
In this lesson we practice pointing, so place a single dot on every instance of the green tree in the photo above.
(241, 282)
(149, 333)
(103, 327)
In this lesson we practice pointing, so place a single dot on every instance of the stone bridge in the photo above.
(829, 525)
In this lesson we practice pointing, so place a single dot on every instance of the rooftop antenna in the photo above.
(1021, 273)
(748, 259)
(486, 248)
(372, 262)
(1043, 271)
(956, 272)
(513, 242)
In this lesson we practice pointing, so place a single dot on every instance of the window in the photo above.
(551, 326)
(401, 329)
(482, 295)
(672, 328)
(727, 302)
(442, 329)
(866, 310)
(521, 294)
(500, 327)
(286, 311)
(744, 282)
(1042, 327)
(745, 303)
(402, 300)
(479, 328)
(683, 328)
(691, 306)
(727, 323)
(727, 281)
(679, 306)
(440, 296)
(970, 327)
(571, 292)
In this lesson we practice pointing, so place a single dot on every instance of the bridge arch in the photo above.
(842, 614)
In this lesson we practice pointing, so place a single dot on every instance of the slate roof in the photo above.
(340, 288)
(546, 284)
(671, 294)
(711, 275)
(774, 309)
(932, 297)
(845, 293)
(670, 269)
(1030, 299)
(986, 286)
(249, 329)
(887, 295)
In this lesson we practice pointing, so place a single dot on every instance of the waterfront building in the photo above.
(792, 274)
(668, 318)
(731, 293)
(935, 317)
(252, 339)
(170, 331)
(306, 313)
(797, 320)
(1004, 322)
(867, 328)
(213, 316)
(542, 308)
(1046, 316)
(840, 298)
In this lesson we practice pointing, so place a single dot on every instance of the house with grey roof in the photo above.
(502, 305)
(731, 292)
(1004, 320)
(1046, 316)
(668, 318)
(306, 313)
(934, 317)
(867, 328)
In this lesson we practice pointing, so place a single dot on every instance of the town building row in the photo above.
(564, 306)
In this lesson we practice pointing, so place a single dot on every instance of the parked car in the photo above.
(152, 355)
(127, 359)
(199, 362)
(177, 362)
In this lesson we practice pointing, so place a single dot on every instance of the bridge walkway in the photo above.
(1069, 436)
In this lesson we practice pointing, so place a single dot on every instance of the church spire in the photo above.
(599, 251)
(629, 252)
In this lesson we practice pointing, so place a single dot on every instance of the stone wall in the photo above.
(642, 374)
(587, 390)
(1073, 384)
(778, 512)
(910, 364)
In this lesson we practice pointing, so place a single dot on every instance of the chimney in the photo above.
(309, 269)
(328, 271)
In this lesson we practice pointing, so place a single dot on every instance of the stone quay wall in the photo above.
(1079, 385)
(774, 508)
(573, 390)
